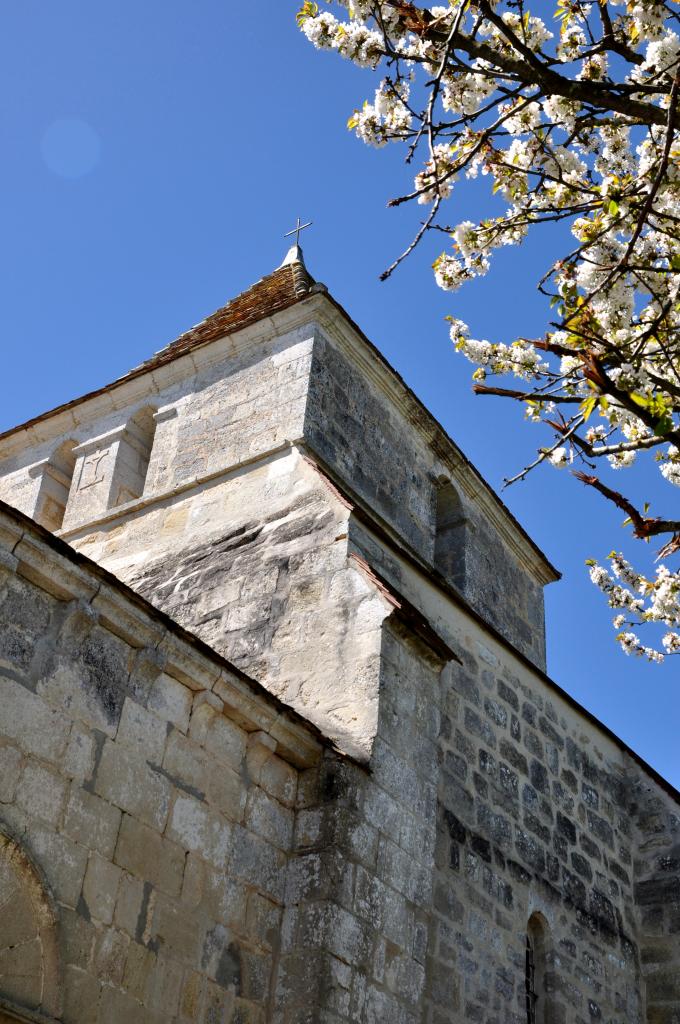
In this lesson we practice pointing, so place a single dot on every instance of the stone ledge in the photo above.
(11, 1011)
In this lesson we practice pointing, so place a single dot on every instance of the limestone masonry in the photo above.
(277, 745)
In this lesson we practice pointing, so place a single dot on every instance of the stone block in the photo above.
(228, 791)
(188, 764)
(143, 731)
(195, 827)
(81, 996)
(219, 1003)
(219, 896)
(263, 921)
(125, 779)
(163, 987)
(279, 779)
(225, 740)
(116, 1006)
(258, 863)
(90, 674)
(128, 916)
(77, 937)
(149, 856)
(36, 727)
(178, 930)
(663, 986)
(171, 701)
(92, 822)
(80, 753)
(63, 862)
(251, 976)
(269, 819)
(192, 996)
(100, 888)
(110, 955)
(139, 965)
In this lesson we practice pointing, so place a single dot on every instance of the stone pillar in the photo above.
(92, 488)
(359, 891)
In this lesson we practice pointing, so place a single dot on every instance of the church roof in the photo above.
(285, 286)
(289, 284)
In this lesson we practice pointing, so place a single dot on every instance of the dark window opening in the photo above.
(535, 974)
(530, 983)
(450, 538)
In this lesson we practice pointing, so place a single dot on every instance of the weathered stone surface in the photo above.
(177, 844)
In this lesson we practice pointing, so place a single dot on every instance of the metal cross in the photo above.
(297, 229)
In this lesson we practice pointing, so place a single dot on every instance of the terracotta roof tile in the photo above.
(284, 287)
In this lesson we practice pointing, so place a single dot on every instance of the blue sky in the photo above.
(156, 152)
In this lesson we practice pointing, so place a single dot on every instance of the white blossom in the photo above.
(603, 376)
(437, 178)
(559, 457)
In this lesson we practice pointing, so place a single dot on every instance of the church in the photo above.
(277, 743)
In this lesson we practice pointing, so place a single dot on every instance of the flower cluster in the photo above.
(437, 179)
(520, 358)
(387, 118)
(567, 123)
(643, 600)
(351, 39)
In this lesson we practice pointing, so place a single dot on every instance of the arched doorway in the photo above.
(29, 961)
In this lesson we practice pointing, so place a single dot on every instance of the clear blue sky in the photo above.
(156, 152)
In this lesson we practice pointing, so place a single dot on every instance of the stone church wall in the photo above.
(240, 400)
(534, 818)
(203, 857)
(181, 846)
(539, 812)
(371, 444)
(256, 565)
(147, 795)
(363, 879)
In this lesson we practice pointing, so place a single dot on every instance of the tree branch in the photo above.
(643, 527)
(597, 94)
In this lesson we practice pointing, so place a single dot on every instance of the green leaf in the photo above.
(663, 426)
(587, 406)
(613, 207)
(308, 10)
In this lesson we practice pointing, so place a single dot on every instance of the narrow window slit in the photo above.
(536, 971)
(450, 535)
